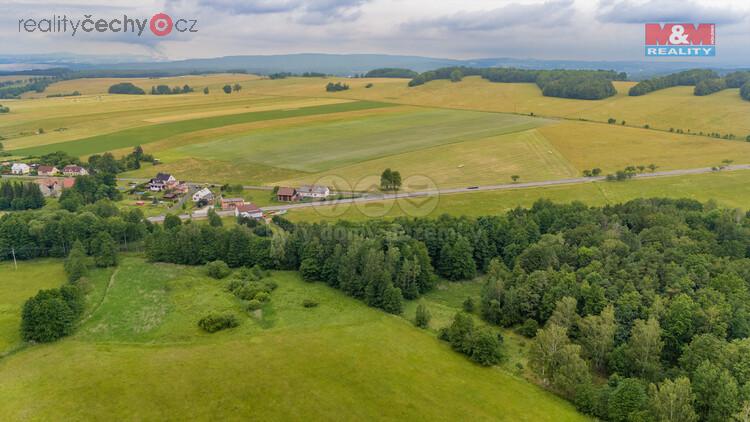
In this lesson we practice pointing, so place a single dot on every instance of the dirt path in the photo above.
(104, 296)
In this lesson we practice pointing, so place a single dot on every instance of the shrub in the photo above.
(214, 322)
(528, 328)
(310, 303)
(485, 347)
(51, 314)
(235, 285)
(262, 297)
(217, 269)
(254, 305)
(468, 305)
(249, 290)
(422, 319)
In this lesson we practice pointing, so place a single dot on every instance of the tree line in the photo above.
(391, 72)
(166, 90)
(578, 84)
(705, 81)
(335, 87)
(18, 196)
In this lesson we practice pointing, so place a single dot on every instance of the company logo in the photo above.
(680, 39)
(161, 24)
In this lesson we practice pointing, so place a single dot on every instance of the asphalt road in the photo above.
(506, 186)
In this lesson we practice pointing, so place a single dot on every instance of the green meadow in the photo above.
(321, 146)
(143, 135)
(340, 360)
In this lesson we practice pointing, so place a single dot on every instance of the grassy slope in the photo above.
(678, 108)
(322, 146)
(729, 189)
(141, 356)
(144, 135)
(16, 287)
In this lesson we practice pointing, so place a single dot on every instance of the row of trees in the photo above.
(580, 84)
(335, 87)
(166, 90)
(745, 94)
(19, 196)
(390, 180)
(35, 84)
(686, 78)
(391, 72)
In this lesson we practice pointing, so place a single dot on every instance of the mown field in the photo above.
(340, 361)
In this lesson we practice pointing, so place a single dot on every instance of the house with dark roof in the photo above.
(162, 181)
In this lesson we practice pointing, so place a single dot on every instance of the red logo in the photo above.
(680, 34)
(161, 24)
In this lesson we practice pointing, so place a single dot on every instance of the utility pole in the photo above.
(15, 264)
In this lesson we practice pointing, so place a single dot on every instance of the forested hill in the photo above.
(576, 84)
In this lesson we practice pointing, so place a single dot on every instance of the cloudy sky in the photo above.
(543, 29)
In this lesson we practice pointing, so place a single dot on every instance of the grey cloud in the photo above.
(549, 13)
(628, 11)
(253, 7)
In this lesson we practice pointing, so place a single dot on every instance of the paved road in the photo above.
(506, 186)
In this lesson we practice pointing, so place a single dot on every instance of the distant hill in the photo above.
(334, 64)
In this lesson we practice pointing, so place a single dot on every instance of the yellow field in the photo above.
(677, 108)
(101, 85)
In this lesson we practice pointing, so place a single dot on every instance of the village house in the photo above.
(248, 211)
(286, 194)
(313, 192)
(162, 181)
(72, 171)
(20, 168)
(231, 203)
(47, 171)
(204, 194)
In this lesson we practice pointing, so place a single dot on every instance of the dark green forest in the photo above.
(632, 310)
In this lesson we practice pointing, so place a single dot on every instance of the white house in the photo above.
(161, 182)
(204, 194)
(313, 191)
(72, 171)
(248, 211)
(20, 168)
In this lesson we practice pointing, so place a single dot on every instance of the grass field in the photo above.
(16, 287)
(677, 108)
(322, 146)
(728, 189)
(143, 135)
(339, 361)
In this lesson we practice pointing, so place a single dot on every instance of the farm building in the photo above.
(47, 171)
(286, 194)
(162, 181)
(204, 194)
(20, 168)
(313, 191)
(231, 203)
(248, 211)
(72, 171)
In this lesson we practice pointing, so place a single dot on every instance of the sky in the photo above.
(609, 30)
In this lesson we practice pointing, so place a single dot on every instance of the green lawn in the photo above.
(141, 356)
(321, 146)
(146, 134)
